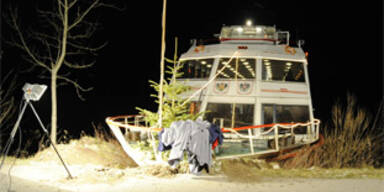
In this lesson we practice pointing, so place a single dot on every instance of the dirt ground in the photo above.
(42, 177)
(99, 166)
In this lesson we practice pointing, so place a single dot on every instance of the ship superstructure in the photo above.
(249, 82)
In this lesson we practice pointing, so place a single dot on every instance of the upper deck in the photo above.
(243, 49)
(249, 62)
(249, 41)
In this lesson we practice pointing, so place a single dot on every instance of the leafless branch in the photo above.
(24, 45)
(33, 66)
(76, 52)
(110, 6)
(50, 58)
(47, 14)
(86, 33)
(59, 10)
(79, 36)
(60, 3)
(76, 85)
(72, 4)
(11, 86)
(7, 103)
(77, 66)
(8, 106)
(90, 49)
(45, 37)
(82, 15)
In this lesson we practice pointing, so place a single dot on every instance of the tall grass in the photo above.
(350, 140)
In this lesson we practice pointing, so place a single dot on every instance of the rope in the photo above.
(213, 78)
(274, 126)
(113, 121)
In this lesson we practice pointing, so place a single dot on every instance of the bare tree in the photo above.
(60, 44)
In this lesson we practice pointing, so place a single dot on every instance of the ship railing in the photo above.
(136, 124)
(133, 124)
(271, 132)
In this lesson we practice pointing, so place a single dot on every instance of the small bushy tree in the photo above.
(174, 107)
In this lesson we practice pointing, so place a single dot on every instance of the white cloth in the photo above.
(191, 136)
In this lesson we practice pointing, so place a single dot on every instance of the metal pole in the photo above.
(276, 130)
(161, 94)
(1, 50)
(46, 132)
(1, 59)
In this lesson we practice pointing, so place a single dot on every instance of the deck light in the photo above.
(249, 23)
(239, 29)
(203, 62)
(288, 63)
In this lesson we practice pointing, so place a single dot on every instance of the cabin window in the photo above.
(286, 114)
(276, 70)
(197, 68)
(238, 68)
(233, 115)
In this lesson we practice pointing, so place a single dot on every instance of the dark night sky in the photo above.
(344, 41)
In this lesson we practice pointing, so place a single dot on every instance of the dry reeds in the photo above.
(350, 140)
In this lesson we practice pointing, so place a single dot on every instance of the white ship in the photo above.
(252, 84)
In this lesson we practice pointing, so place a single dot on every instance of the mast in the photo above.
(160, 111)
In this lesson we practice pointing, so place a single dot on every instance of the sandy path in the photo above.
(51, 178)
(18, 185)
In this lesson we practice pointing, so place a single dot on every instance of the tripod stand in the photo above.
(16, 126)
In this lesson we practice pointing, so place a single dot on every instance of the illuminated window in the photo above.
(234, 115)
(240, 68)
(276, 70)
(199, 68)
(286, 114)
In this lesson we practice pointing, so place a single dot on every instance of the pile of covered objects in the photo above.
(197, 138)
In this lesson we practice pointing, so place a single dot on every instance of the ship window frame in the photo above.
(249, 108)
(291, 63)
(276, 117)
(245, 64)
(196, 65)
